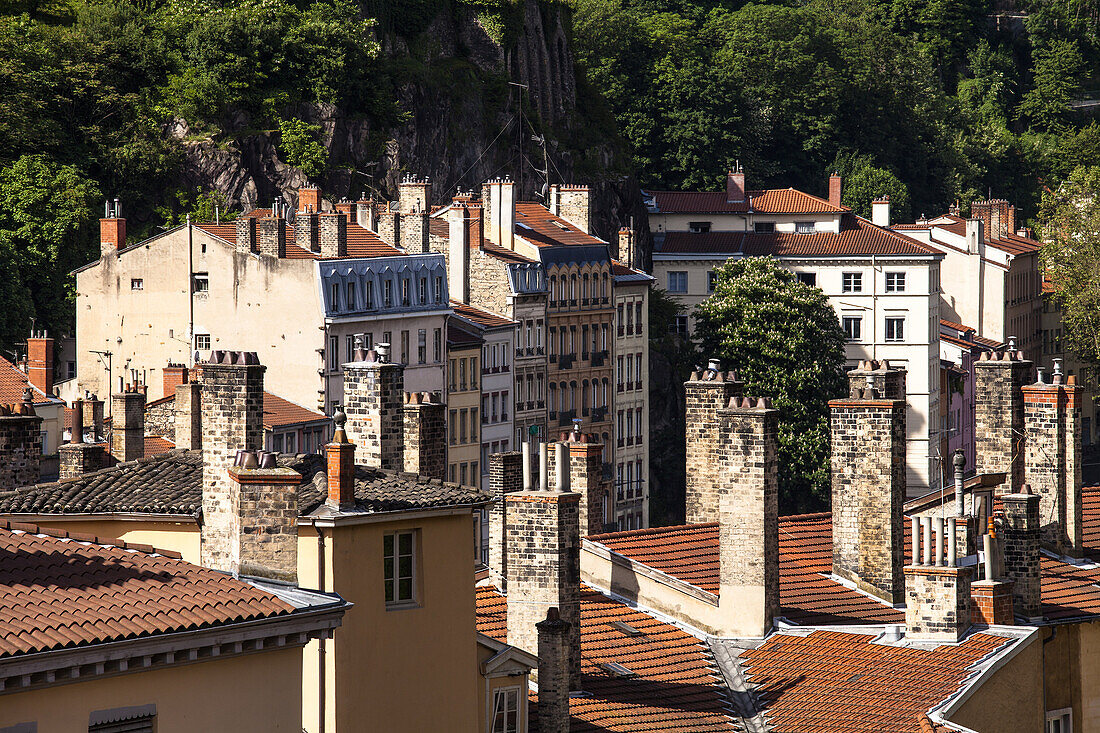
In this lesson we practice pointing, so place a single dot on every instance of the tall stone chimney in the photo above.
(40, 361)
(307, 232)
(706, 392)
(93, 416)
(937, 589)
(999, 415)
(868, 480)
(374, 391)
(112, 229)
(499, 199)
(364, 213)
(463, 221)
(879, 374)
(735, 185)
(1023, 561)
(247, 241)
(414, 195)
(189, 416)
(348, 209)
(974, 233)
(271, 236)
(585, 467)
(574, 204)
(553, 673)
(388, 225)
(505, 477)
(748, 516)
(128, 425)
(414, 233)
(333, 232)
(1052, 459)
(543, 567)
(425, 419)
(626, 247)
(20, 445)
(835, 190)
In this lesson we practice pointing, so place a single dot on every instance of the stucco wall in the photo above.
(1011, 700)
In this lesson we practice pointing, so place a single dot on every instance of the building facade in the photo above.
(631, 489)
(463, 405)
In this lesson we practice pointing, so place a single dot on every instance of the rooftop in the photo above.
(767, 201)
(362, 242)
(278, 412)
(14, 382)
(1009, 243)
(479, 316)
(537, 225)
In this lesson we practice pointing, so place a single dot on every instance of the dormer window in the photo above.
(698, 227)
(764, 227)
(405, 291)
(368, 294)
(351, 296)
(805, 227)
(387, 293)
(423, 290)
(335, 296)
(438, 289)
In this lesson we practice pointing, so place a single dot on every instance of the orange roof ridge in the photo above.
(650, 531)
(62, 534)
(811, 517)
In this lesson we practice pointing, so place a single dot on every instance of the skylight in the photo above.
(617, 670)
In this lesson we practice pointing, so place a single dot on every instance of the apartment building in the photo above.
(1054, 355)
(541, 267)
(463, 404)
(16, 385)
(297, 287)
(884, 286)
(960, 349)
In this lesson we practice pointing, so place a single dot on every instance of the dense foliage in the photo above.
(1071, 258)
(931, 101)
(783, 339)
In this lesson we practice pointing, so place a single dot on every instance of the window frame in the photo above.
(517, 722)
(396, 578)
(858, 321)
(851, 282)
(894, 282)
(198, 346)
(1059, 716)
(895, 321)
(676, 279)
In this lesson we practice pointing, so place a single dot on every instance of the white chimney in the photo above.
(975, 240)
(880, 212)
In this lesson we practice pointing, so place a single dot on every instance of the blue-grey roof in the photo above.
(380, 284)
(527, 278)
(582, 254)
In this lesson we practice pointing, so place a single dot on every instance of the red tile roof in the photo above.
(856, 237)
(837, 682)
(537, 225)
(769, 201)
(676, 687)
(280, 413)
(479, 316)
(56, 594)
(14, 382)
(1009, 243)
(155, 445)
(361, 242)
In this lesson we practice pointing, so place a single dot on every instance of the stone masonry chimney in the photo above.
(414, 195)
(128, 425)
(271, 236)
(735, 185)
(462, 218)
(374, 391)
(247, 241)
(937, 589)
(880, 211)
(627, 253)
(1052, 459)
(543, 567)
(498, 198)
(340, 467)
(868, 481)
(706, 392)
(425, 445)
(835, 190)
(585, 467)
(553, 673)
(40, 361)
(505, 477)
(999, 415)
(1022, 551)
(365, 214)
(189, 416)
(20, 445)
(574, 204)
(112, 229)
(307, 233)
(414, 233)
(879, 374)
(348, 209)
(93, 416)
(333, 232)
(748, 516)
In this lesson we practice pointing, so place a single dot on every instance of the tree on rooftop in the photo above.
(783, 339)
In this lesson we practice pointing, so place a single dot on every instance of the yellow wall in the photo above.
(1011, 700)
(256, 692)
(183, 537)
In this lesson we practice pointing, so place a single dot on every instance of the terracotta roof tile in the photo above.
(769, 201)
(480, 316)
(675, 688)
(13, 383)
(537, 225)
(57, 593)
(155, 445)
(279, 412)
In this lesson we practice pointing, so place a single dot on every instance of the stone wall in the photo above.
(999, 416)
(505, 477)
(268, 522)
(1021, 552)
(425, 450)
(333, 234)
(128, 426)
(160, 419)
(705, 394)
(77, 459)
(937, 602)
(373, 401)
(20, 450)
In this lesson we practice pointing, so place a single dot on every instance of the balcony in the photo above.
(553, 415)
(621, 330)
(539, 351)
(584, 412)
(599, 414)
(608, 471)
(605, 301)
(530, 351)
(565, 418)
(566, 361)
(519, 351)
(599, 358)
(540, 404)
(553, 358)
(584, 356)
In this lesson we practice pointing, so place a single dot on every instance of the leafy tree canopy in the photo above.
(783, 339)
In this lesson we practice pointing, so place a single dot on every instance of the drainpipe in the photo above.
(320, 640)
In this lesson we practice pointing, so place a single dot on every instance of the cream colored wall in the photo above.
(257, 693)
(182, 537)
(633, 399)
(1011, 700)
(741, 222)
(470, 451)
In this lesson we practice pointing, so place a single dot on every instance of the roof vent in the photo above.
(893, 633)
(626, 628)
(617, 670)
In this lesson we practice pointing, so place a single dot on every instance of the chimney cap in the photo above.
(959, 460)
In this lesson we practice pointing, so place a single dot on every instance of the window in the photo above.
(421, 346)
(677, 282)
(368, 294)
(404, 347)
(438, 289)
(437, 345)
(698, 226)
(404, 291)
(387, 293)
(136, 719)
(712, 279)
(853, 282)
(679, 325)
(853, 327)
(202, 342)
(136, 283)
(895, 282)
(895, 329)
(1060, 721)
(807, 278)
(452, 426)
(349, 346)
(333, 353)
(202, 282)
(764, 227)
(506, 710)
(387, 338)
(350, 299)
(334, 291)
(804, 227)
(638, 317)
(462, 426)
(400, 568)
(423, 290)
(462, 374)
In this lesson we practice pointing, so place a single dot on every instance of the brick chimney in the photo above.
(464, 222)
(1052, 459)
(425, 419)
(835, 190)
(574, 204)
(128, 424)
(627, 253)
(505, 477)
(40, 361)
(880, 212)
(333, 229)
(991, 597)
(172, 376)
(112, 229)
(309, 199)
(20, 445)
(706, 392)
(414, 196)
(414, 233)
(247, 241)
(1022, 556)
(374, 390)
(271, 236)
(307, 233)
(868, 480)
(498, 197)
(543, 567)
(553, 673)
(735, 185)
(748, 516)
(937, 589)
(348, 209)
(340, 467)
(999, 415)
(188, 416)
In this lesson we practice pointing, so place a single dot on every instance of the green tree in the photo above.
(864, 182)
(298, 144)
(783, 339)
(1058, 68)
(1070, 229)
(46, 231)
